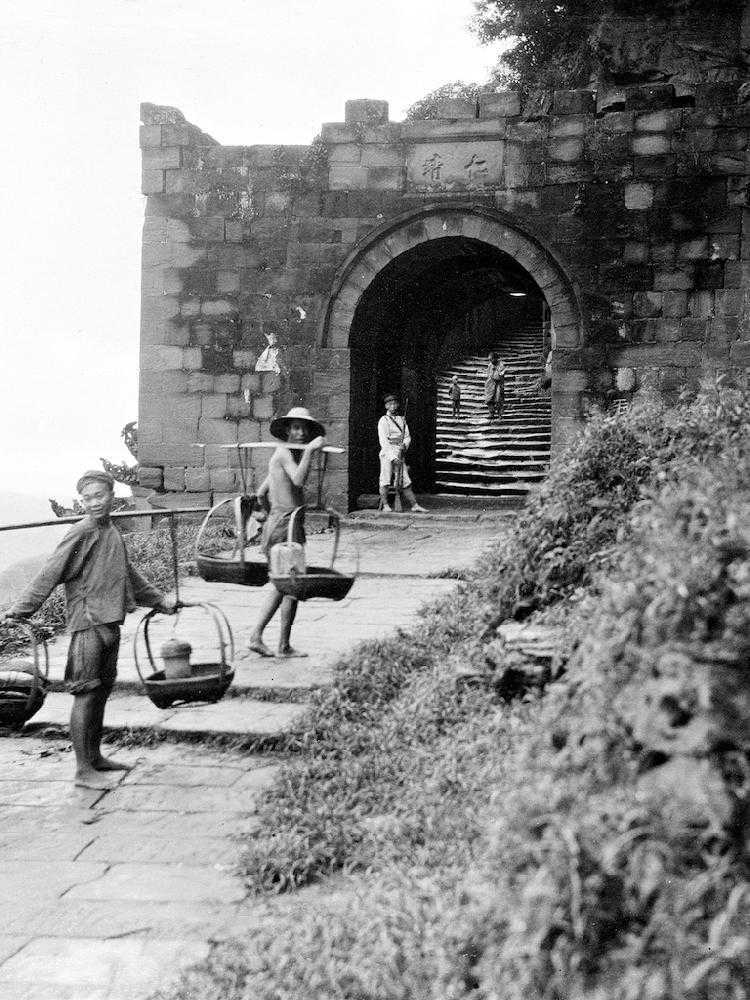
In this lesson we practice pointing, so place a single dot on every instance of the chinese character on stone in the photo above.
(431, 167)
(475, 169)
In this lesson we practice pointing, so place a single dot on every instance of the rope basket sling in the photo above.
(315, 581)
(208, 682)
(23, 684)
(235, 568)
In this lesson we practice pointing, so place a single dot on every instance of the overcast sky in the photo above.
(74, 73)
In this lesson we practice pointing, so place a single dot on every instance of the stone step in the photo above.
(129, 713)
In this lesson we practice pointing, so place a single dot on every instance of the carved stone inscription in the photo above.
(449, 166)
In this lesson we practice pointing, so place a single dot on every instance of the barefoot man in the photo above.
(100, 588)
(282, 489)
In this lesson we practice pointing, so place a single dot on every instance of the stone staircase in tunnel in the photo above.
(502, 458)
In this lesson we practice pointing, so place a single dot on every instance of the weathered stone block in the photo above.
(499, 104)
(160, 358)
(223, 480)
(162, 158)
(729, 301)
(647, 304)
(693, 328)
(244, 359)
(212, 430)
(197, 479)
(380, 156)
(269, 382)
(171, 454)
(218, 307)
(701, 303)
(386, 178)
(665, 120)
(724, 247)
(573, 102)
(667, 330)
(251, 382)
(350, 152)
(656, 356)
(365, 112)
(635, 253)
(252, 430)
(674, 304)
(192, 358)
(263, 408)
(238, 409)
(639, 197)
(650, 145)
(570, 127)
(722, 163)
(567, 150)
(152, 180)
(214, 405)
(174, 478)
(227, 282)
(347, 176)
(737, 274)
(525, 175)
(693, 249)
(200, 382)
(154, 384)
(226, 383)
(150, 477)
(665, 281)
(150, 135)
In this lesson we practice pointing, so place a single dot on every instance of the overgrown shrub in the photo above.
(584, 844)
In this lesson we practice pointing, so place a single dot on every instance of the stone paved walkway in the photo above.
(107, 896)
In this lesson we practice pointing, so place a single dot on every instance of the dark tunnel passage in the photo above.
(432, 305)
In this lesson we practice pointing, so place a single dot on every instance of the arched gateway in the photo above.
(383, 248)
(417, 293)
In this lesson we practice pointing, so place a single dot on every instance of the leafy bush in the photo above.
(585, 843)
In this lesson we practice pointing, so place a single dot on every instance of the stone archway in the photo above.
(417, 241)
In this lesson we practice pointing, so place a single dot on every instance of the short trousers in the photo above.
(276, 529)
(386, 474)
(92, 659)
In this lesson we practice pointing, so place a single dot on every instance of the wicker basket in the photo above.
(317, 581)
(235, 568)
(208, 682)
(23, 685)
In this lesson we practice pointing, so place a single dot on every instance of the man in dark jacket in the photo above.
(100, 588)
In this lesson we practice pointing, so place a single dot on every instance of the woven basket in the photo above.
(23, 685)
(208, 682)
(317, 581)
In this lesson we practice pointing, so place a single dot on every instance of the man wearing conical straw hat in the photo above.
(282, 491)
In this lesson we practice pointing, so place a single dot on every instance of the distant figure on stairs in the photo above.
(454, 391)
(544, 382)
(494, 386)
(394, 438)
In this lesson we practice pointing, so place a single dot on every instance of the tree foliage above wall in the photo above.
(569, 43)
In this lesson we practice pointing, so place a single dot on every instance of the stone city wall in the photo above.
(628, 208)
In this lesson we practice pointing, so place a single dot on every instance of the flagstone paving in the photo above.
(109, 895)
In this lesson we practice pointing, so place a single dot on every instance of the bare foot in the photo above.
(259, 647)
(288, 654)
(91, 779)
(107, 764)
